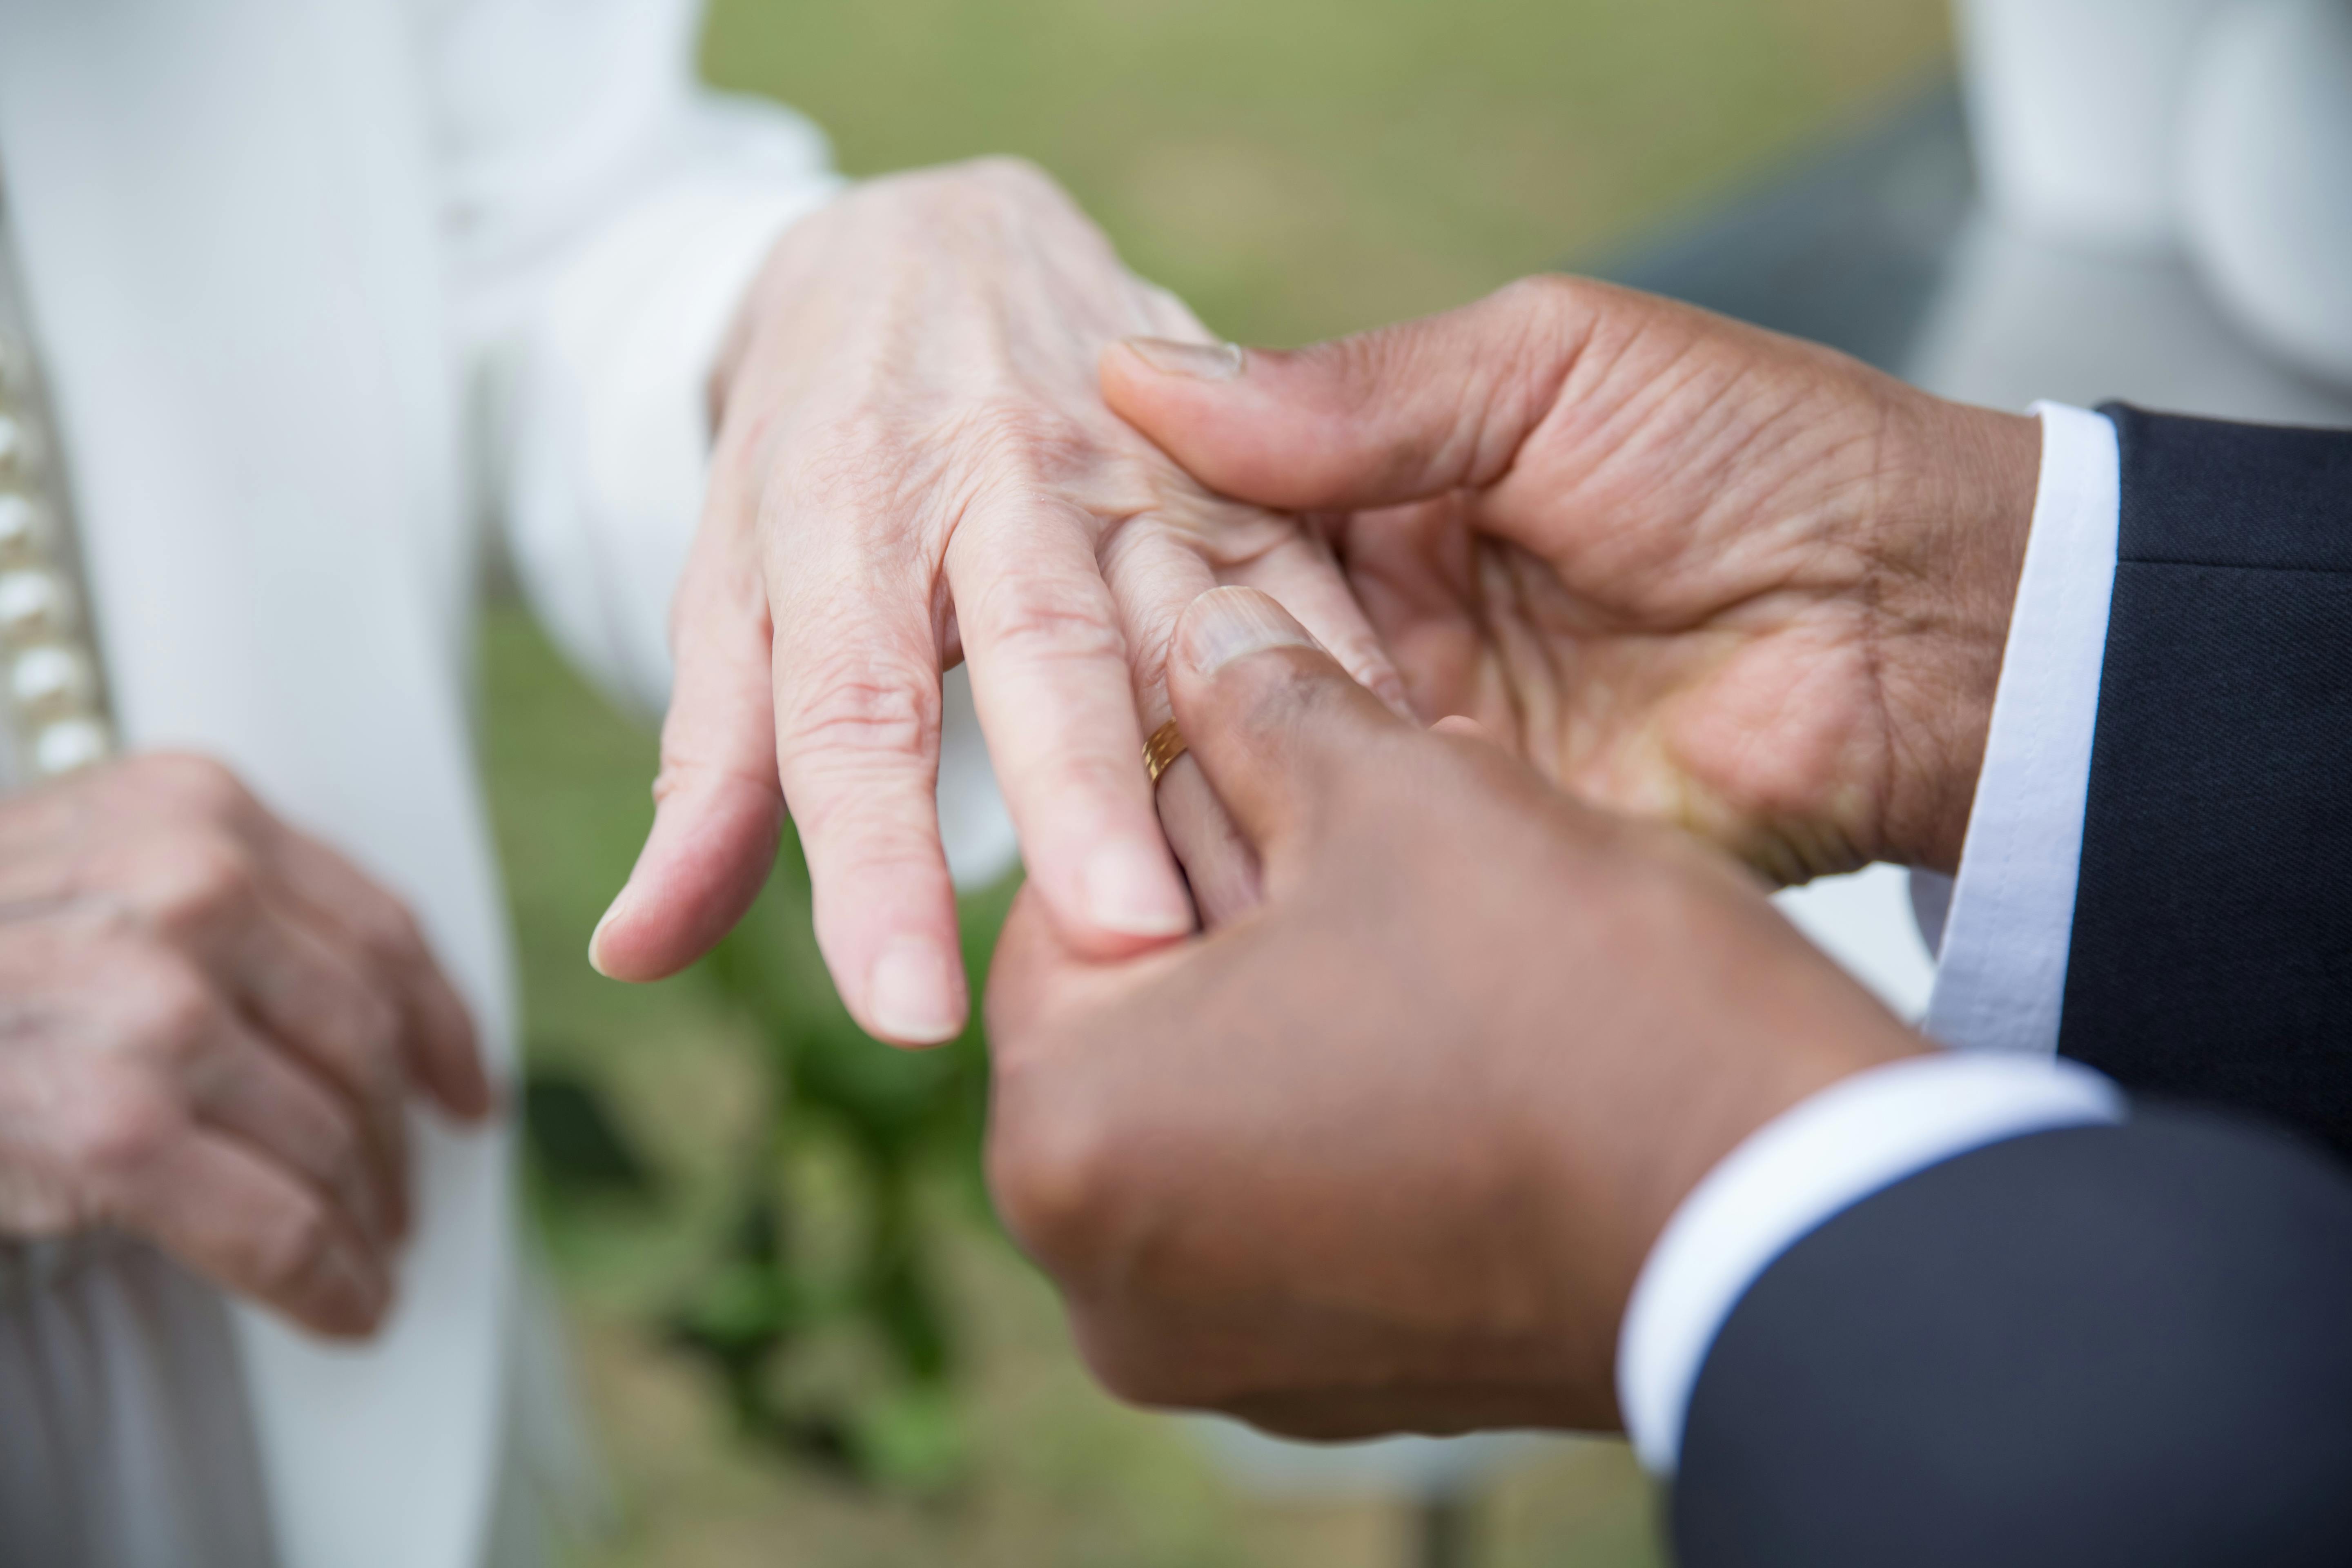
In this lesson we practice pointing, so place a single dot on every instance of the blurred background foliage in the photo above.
(1298, 168)
(801, 1340)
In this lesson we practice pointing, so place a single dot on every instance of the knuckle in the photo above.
(168, 1012)
(117, 1126)
(1016, 440)
(1539, 291)
(204, 883)
(293, 1247)
(376, 1026)
(390, 933)
(1048, 618)
(1526, 339)
(342, 1152)
(194, 785)
(383, 1077)
(325, 1137)
(866, 462)
(911, 465)
(361, 1041)
(684, 774)
(856, 705)
(995, 180)
(1535, 308)
(1011, 170)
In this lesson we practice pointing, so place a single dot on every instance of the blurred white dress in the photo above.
(319, 291)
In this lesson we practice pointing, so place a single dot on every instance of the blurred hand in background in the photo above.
(1390, 1153)
(1692, 571)
(214, 1025)
(914, 466)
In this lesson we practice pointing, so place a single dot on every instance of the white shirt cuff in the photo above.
(1814, 1159)
(2000, 978)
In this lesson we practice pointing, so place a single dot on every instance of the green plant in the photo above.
(823, 1317)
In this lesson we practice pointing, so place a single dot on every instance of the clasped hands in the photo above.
(1341, 1162)
(1476, 1007)
(1388, 1148)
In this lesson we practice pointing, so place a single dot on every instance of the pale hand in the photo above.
(214, 1025)
(1388, 1151)
(914, 466)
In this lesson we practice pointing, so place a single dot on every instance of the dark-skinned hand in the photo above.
(1388, 1150)
(1692, 571)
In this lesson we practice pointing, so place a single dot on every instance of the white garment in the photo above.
(116, 1354)
(1999, 986)
(318, 288)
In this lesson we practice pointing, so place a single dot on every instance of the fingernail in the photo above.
(913, 995)
(596, 937)
(1226, 624)
(1201, 362)
(1131, 890)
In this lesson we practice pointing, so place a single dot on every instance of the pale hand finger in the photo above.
(718, 809)
(228, 1212)
(1219, 864)
(1052, 678)
(322, 1011)
(857, 704)
(375, 932)
(1153, 574)
(282, 1111)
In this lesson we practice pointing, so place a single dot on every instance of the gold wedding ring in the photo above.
(1160, 751)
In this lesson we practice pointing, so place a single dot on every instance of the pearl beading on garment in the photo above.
(49, 664)
(51, 687)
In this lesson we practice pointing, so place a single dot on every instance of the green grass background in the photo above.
(1296, 168)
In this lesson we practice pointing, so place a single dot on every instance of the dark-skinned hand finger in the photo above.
(1397, 415)
(1304, 577)
(1273, 718)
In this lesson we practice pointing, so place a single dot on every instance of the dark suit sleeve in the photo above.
(2116, 1345)
(2212, 956)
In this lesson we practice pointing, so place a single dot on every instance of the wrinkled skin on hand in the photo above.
(212, 1026)
(1692, 571)
(1388, 1151)
(914, 466)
